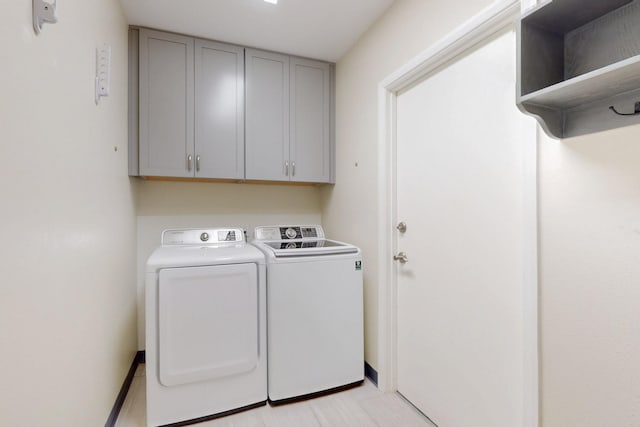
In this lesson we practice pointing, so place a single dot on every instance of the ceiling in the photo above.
(320, 29)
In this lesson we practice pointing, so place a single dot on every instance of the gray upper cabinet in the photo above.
(166, 104)
(219, 110)
(203, 109)
(287, 118)
(310, 150)
(191, 107)
(267, 116)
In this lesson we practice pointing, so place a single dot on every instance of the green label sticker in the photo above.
(358, 265)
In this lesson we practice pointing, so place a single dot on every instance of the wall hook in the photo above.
(635, 113)
(43, 12)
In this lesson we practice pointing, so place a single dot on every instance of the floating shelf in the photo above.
(620, 77)
(576, 58)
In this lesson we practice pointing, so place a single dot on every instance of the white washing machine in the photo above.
(314, 312)
(205, 326)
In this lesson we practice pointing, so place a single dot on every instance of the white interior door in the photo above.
(460, 193)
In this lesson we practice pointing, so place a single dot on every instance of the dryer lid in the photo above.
(203, 246)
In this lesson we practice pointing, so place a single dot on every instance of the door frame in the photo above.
(497, 17)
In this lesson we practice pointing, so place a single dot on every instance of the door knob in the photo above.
(402, 257)
(402, 226)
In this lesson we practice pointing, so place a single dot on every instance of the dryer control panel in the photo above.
(199, 237)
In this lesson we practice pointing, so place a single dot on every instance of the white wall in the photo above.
(590, 279)
(163, 205)
(349, 210)
(589, 228)
(67, 294)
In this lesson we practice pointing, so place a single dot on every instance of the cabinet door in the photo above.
(267, 116)
(219, 110)
(166, 104)
(310, 151)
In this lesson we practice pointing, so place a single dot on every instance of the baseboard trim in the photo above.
(371, 373)
(117, 406)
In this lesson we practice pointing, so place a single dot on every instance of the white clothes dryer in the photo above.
(205, 326)
(314, 312)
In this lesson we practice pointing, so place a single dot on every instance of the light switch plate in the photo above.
(103, 71)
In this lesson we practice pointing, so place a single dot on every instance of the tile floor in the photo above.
(359, 407)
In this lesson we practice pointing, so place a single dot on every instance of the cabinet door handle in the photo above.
(293, 168)
(189, 160)
(286, 167)
(198, 163)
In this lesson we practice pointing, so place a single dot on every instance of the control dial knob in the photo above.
(290, 233)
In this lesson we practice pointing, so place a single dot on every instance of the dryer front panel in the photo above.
(207, 322)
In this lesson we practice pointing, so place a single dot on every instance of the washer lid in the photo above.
(293, 248)
(298, 241)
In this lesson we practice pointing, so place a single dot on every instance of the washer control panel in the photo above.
(202, 236)
(289, 232)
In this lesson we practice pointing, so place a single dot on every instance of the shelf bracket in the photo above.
(43, 12)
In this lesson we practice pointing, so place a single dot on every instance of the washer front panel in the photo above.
(315, 325)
